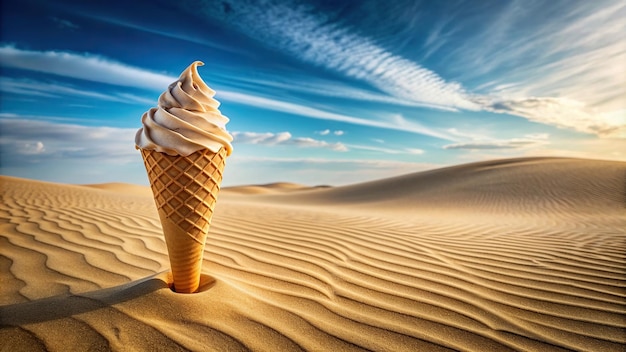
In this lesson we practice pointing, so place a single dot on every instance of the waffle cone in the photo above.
(185, 191)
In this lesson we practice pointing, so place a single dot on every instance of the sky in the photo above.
(317, 92)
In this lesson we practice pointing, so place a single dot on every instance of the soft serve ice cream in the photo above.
(186, 120)
(184, 145)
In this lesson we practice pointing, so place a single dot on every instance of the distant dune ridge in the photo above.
(521, 254)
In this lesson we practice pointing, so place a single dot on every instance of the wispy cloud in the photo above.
(316, 171)
(528, 141)
(31, 141)
(83, 66)
(284, 138)
(101, 69)
(558, 82)
(567, 72)
(87, 152)
(437, 37)
(168, 29)
(327, 132)
(30, 148)
(321, 87)
(312, 39)
(50, 118)
(413, 151)
(563, 113)
(372, 163)
(45, 89)
(577, 54)
(63, 23)
(397, 123)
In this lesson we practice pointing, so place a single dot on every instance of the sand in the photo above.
(523, 254)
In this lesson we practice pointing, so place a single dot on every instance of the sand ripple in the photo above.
(496, 268)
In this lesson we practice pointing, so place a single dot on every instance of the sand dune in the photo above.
(524, 255)
(505, 186)
(270, 188)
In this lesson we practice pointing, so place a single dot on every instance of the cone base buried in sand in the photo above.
(185, 191)
(185, 254)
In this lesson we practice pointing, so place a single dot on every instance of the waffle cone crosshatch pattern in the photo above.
(185, 188)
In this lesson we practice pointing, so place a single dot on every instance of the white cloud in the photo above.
(371, 163)
(567, 72)
(573, 64)
(27, 140)
(316, 171)
(310, 142)
(567, 82)
(464, 135)
(99, 69)
(44, 89)
(414, 151)
(284, 138)
(399, 123)
(82, 154)
(50, 118)
(157, 27)
(312, 39)
(83, 66)
(538, 136)
(261, 138)
(563, 113)
(320, 87)
(64, 24)
(529, 141)
(437, 35)
(327, 132)
(30, 148)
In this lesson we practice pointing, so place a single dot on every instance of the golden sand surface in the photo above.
(519, 254)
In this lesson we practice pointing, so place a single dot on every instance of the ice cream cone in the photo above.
(185, 191)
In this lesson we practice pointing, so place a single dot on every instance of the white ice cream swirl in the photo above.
(186, 119)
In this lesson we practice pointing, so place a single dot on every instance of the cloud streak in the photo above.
(399, 123)
(86, 66)
(81, 149)
(63, 23)
(412, 151)
(101, 69)
(53, 90)
(284, 138)
(578, 54)
(327, 132)
(319, 87)
(529, 141)
(28, 140)
(316, 171)
(312, 39)
(563, 113)
(575, 79)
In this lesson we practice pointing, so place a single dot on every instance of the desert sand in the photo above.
(522, 254)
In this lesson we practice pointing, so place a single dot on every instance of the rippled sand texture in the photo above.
(523, 255)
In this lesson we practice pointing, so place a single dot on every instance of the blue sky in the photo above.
(317, 93)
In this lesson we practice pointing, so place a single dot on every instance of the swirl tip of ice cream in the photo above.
(186, 119)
